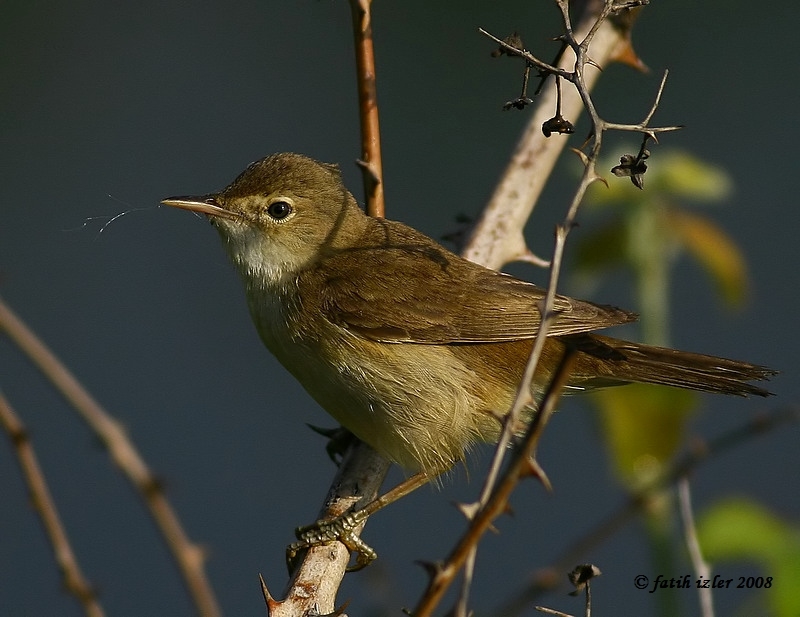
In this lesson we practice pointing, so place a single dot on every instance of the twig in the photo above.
(598, 125)
(317, 577)
(188, 556)
(491, 489)
(522, 398)
(497, 236)
(74, 580)
(702, 451)
(371, 163)
(589, 176)
(522, 464)
(701, 567)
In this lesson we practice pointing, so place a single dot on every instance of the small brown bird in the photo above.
(403, 342)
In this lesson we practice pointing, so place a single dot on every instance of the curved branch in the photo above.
(188, 556)
(74, 580)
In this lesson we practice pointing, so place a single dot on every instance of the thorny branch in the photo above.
(497, 237)
(74, 580)
(371, 161)
(319, 572)
(522, 464)
(700, 451)
(494, 495)
(189, 557)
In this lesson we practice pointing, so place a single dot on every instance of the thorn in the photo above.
(582, 156)
(264, 591)
(530, 257)
(534, 469)
(528, 470)
(551, 611)
(468, 509)
(325, 432)
(271, 602)
(433, 569)
(594, 64)
(370, 169)
(627, 55)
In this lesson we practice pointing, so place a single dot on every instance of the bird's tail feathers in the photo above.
(605, 361)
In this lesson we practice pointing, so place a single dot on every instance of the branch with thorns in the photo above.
(189, 557)
(74, 580)
(494, 495)
(700, 451)
(495, 492)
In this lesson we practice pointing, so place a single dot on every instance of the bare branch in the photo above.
(493, 496)
(74, 580)
(701, 567)
(701, 452)
(371, 162)
(188, 556)
(519, 466)
(316, 580)
(497, 236)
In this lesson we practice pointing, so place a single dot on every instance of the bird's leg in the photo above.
(342, 528)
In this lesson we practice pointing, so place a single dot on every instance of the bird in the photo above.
(412, 348)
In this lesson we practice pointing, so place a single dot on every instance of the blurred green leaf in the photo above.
(601, 249)
(671, 174)
(684, 176)
(644, 426)
(740, 529)
(714, 250)
(649, 229)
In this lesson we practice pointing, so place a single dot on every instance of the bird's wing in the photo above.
(403, 287)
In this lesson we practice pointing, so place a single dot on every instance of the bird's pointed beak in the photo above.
(204, 204)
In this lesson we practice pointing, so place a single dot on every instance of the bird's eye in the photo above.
(279, 210)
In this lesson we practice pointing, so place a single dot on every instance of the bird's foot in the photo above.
(341, 529)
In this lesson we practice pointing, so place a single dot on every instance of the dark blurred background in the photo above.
(107, 107)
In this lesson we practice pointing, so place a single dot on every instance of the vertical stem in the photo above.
(651, 260)
(368, 108)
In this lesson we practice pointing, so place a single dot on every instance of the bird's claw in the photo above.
(341, 529)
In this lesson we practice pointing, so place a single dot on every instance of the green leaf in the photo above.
(740, 529)
(644, 426)
(672, 175)
(714, 250)
(684, 176)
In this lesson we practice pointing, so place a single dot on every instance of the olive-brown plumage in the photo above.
(405, 343)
